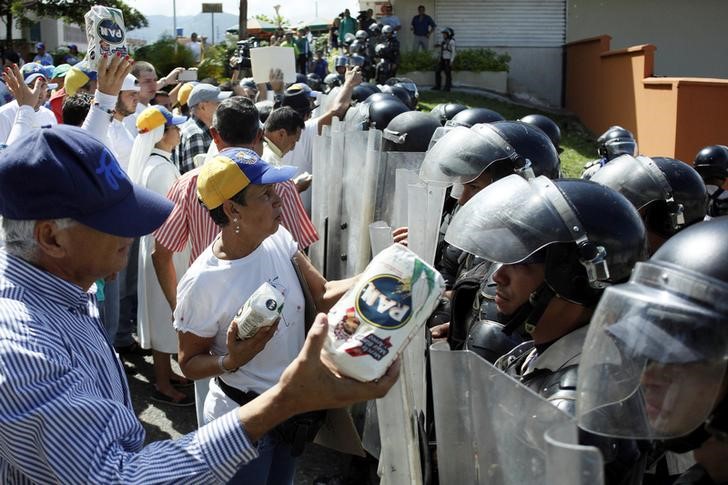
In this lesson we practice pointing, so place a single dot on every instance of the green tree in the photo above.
(71, 11)
(275, 20)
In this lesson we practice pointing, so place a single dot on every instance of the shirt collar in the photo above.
(42, 283)
(161, 153)
(566, 351)
(200, 123)
(272, 147)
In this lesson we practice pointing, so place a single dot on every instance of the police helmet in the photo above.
(361, 35)
(378, 97)
(314, 81)
(409, 131)
(473, 116)
(380, 49)
(712, 162)
(407, 84)
(670, 193)
(375, 29)
(264, 109)
(332, 80)
(349, 38)
(383, 111)
(341, 61)
(547, 125)
(503, 147)
(654, 359)
(362, 91)
(616, 141)
(588, 236)
(356, 60)
(450, 32)
(357, 47)
(445, 111)
(301, 78)
(387, 30)
(402, 94)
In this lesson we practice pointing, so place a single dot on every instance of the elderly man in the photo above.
(67, 414)
(282, 131)
(196, 137)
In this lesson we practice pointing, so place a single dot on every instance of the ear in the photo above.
(49, 239)
(216, 136)
(230, 210)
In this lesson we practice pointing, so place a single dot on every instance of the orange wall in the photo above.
(672, 117)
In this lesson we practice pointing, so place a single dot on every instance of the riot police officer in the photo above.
(560, 244)
(669, 194)
(654, 359)
(391, 51)
(612, 143)
(712, 164)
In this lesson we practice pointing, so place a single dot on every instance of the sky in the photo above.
(293, 10)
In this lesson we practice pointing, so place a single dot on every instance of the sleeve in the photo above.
(452, 49)
(5, 128)
(175, 231)
(193, 305)
(99, 117)
(61, 429)
(23, 124)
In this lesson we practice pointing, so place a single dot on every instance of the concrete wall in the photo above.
(678, 28)
(670, 116)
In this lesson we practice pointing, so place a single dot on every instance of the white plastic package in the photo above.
(373, 322)
(262, 309)
(105, 33)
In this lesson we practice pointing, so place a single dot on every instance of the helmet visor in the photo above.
(509, 220)
(654, 361)
(639, 179)
(461, 155)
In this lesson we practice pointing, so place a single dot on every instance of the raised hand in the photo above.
(111, 73)
(21, 91)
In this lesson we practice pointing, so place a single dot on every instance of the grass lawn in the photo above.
(578, 143)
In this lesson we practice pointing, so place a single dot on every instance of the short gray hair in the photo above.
(18, 238)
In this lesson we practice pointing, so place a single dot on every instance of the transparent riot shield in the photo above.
(424, 213)
(386, 183)
(491, 429)
(335, 173)
(319, 195)
(568, 462)
(363, 151)
(380, 236)
(403, 178)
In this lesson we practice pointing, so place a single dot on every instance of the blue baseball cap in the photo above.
(63, 171)
(232, 170)
(40, 45)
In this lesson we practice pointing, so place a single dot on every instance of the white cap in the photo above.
(130, 83)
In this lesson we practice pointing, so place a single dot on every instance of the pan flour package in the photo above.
(105, 33)
(373, 322)
(262, 309)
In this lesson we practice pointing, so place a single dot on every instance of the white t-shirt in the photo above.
(213, 290)
(42, 117)
(196, 49)
(121, 142)
(302, 156)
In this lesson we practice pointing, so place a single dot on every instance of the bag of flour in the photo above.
(373, 322)
(105, 33)
(262, 309)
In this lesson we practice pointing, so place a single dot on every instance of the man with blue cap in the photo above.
(32, 73)
(69, 215)
(42, 57)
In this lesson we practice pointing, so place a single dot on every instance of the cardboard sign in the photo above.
(263, 59)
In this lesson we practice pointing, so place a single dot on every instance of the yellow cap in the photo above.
(75, 79)
(184, 93)
(219, 179)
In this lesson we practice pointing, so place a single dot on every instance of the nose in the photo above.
(501, 276)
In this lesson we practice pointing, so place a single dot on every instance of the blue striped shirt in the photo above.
(65, 411)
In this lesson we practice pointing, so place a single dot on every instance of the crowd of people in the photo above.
(128, 208)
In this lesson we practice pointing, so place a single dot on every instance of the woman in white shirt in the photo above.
(150, 165)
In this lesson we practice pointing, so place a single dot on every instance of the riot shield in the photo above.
(492, 429)
(380, 236)
(403, 178)
(319, 196)
(386, 184)
(568, 462)
(424, 208)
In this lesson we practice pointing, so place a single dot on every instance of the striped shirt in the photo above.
(189, 220)
(65, 411)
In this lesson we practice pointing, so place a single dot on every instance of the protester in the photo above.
(59, 378)
(42, 57)
(422, 27)
(33, 74)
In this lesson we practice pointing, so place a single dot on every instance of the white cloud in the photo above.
(294, 10)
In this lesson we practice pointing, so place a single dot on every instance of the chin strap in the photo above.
(530, 312)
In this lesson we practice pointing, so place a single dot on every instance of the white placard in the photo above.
(263, 59)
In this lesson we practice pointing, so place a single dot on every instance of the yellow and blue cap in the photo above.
(232, 170)
(156, 116)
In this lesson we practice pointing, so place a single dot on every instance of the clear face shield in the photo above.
(461, 154)
(653, 364)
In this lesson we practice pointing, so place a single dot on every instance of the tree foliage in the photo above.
(71, 11)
